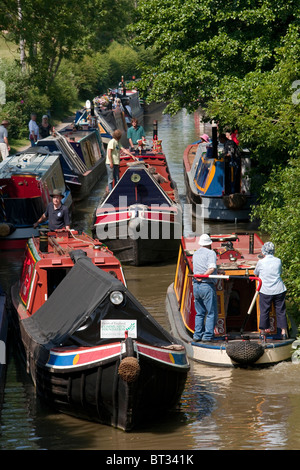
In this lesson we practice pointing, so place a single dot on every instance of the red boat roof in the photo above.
(62, 242)
(239, 256)
(154, 160)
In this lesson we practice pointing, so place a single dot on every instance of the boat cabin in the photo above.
(80, 150)
(214, 176)
(237, 255)
(48, 261)
(26, 181)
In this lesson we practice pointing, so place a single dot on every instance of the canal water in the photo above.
(221, 409)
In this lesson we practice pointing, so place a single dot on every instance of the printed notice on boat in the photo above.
(118, 328)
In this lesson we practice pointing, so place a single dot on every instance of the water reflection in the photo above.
(220, 408)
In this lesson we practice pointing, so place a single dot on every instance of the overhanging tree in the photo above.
(200, 43)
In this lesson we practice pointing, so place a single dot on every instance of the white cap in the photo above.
(205, 240)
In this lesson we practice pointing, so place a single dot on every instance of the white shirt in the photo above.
(204, 259)
(269, 270)
(33, 128)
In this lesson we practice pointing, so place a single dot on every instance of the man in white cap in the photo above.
(273, 290)
(205, 295)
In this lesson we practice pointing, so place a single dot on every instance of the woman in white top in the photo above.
(273, 290)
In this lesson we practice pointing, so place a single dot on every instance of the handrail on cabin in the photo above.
(227, 276)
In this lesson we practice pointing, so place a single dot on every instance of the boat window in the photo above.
(203, 172)
(54, 277)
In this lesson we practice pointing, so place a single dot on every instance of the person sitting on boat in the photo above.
(205, 295)
(114, 148)
(272, 291)
(56, 213)
(157, 176)
(135, 133)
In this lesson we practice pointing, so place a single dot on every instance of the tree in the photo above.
(53, 31)
(198, 44)
(279, 211)
(265, 106)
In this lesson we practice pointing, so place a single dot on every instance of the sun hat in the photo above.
(45, 116)
(268, 248)
(4, 122)
(56, 192)
(205, 137)
(205, 240)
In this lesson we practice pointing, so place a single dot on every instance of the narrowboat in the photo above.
(26, 181)
(92, 350)
(82, 157)
(110, 119)
(217, 187)
(237, 341)
(140, 220)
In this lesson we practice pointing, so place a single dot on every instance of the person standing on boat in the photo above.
(135, 133)
(33, 130)
(56, 213)
(114, 148)
(205, 295)
(4, 147)
(273, 290)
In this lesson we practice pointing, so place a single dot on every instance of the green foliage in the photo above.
(279, 211)
(22, 99)
(198, 44)
(56, 31)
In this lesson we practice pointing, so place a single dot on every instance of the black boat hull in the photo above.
(110, 391)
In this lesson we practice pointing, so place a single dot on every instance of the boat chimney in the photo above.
(214, 141)
(251, 243)
(154, 130)
(44, 240)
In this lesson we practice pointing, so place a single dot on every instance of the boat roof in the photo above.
(62, 242)
(32, 161)
(240, 243)
(137, 186)
(76, 298)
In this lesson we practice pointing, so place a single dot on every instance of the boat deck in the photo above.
(153, 161)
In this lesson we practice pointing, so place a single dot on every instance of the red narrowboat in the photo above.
(237, 340)
(90, 348)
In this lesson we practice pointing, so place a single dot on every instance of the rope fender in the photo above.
(245, 351)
